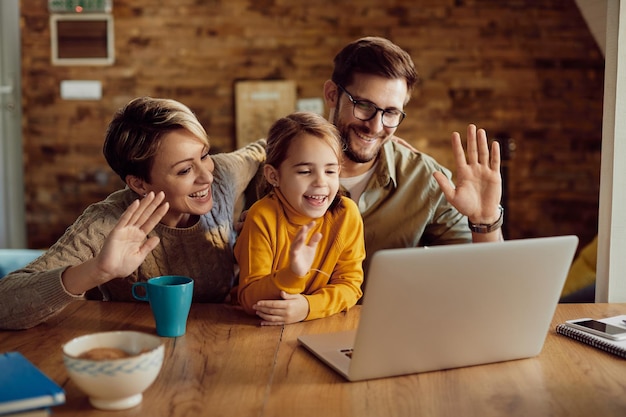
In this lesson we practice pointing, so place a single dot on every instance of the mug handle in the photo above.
(145, 287)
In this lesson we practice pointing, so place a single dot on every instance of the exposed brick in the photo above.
(525, 69)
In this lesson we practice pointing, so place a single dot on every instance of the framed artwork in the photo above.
(259, 104)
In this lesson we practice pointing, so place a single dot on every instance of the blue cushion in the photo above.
(12, 259)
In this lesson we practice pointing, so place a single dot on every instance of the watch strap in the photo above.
(488, 228)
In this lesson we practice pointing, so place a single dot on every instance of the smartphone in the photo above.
(598, 328)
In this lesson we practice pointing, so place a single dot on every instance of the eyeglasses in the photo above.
(366, 110)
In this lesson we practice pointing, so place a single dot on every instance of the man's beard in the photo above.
(351, 154)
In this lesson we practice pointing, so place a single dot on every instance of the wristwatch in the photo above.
(488, 228)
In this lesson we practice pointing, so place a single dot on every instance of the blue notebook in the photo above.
(24, 387)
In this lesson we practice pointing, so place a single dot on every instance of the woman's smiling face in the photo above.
(183, 170)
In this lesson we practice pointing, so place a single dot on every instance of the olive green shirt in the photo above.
(403, 205)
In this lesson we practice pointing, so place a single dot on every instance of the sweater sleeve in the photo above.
(263, 272)
(343, 290)
(237, 168)
(34, 293)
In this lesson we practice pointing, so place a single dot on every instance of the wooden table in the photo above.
(227, 365)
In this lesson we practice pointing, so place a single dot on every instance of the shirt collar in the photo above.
(386, 167)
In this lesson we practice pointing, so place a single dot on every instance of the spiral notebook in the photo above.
(612, 346)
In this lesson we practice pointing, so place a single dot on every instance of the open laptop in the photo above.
(443, 307)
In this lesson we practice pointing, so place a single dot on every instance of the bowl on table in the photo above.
(114, 368)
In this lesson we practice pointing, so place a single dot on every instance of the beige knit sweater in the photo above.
(203, 252)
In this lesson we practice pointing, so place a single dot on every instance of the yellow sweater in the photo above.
(262, 250)
(583, 270)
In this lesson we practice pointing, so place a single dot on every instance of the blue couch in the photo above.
(12, 259)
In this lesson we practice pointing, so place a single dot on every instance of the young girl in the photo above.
(301, 248)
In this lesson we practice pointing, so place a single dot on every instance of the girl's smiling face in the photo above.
(309, 176)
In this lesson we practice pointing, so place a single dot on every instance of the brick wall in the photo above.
(523, 69)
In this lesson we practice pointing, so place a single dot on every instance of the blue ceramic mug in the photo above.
(170, 300)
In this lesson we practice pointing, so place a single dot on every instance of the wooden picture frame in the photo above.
(259, 104)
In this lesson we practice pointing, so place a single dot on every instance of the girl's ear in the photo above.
(271, 175)
(137, 185)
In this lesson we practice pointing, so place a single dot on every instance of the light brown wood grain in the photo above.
(228, 365)
(567, 379)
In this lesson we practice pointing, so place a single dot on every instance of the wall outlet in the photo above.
(315, 105)
(81, 90)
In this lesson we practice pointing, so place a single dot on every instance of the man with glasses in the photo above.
(405, 197)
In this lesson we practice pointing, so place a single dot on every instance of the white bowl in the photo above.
(114, 384)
